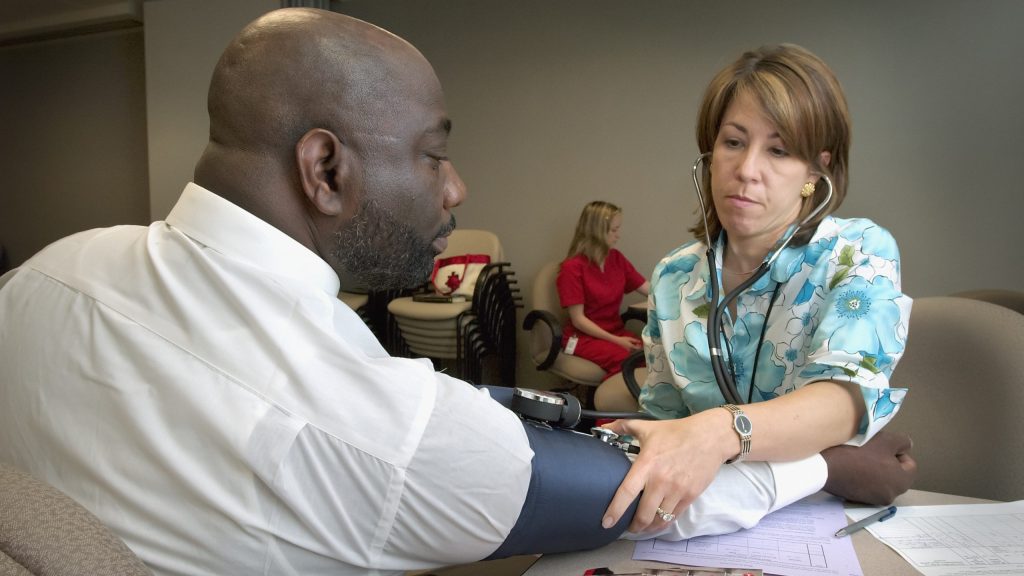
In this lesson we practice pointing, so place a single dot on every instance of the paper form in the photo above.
(798, 540)
(956, 540)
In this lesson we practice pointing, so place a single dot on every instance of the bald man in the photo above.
(198, 386)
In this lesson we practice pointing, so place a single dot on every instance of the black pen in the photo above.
(880, 516)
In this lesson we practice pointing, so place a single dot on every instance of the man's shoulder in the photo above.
(86, 247)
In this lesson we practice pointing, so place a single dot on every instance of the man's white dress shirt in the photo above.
(199, 387)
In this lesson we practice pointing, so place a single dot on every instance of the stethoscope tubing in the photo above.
(723, 376)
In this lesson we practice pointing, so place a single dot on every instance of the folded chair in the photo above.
(489, 330)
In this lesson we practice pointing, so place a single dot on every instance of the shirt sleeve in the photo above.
(862, 322)
(634, 279)
(660, 394)
(454, 501)
(466, 485)
(570, 283)
(741, 495)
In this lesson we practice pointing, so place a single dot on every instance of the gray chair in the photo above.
(964, 367)
(44, 532)
(1012, 299)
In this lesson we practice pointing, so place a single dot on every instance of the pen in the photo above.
(880, 516)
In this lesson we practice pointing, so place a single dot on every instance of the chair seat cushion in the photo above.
(353, 300)
(405, 307)
(577, 370)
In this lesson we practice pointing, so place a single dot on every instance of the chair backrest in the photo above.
(43, 531)
(544, 296)
(1012, 299)
(545, 291)
(964, 367)
(471, 241)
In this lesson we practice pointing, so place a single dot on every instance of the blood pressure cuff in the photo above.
(574, 477)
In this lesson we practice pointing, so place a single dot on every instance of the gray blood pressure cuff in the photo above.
(574, 477)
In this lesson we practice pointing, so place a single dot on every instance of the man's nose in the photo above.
(455, 188)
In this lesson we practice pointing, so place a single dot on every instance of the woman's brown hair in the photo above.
(803, 99)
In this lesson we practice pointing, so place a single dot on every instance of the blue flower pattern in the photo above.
(840, 315)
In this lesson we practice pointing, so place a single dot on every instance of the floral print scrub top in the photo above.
(839, 315)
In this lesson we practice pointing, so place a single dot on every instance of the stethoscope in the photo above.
(716, 333)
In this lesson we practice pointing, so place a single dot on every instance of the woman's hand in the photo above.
(678, 460)
(628, 342)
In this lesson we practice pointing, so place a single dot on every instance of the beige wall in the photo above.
(72, 138)
(184, 39)
(558, 102)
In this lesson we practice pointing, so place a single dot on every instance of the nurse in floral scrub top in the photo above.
(812, 344)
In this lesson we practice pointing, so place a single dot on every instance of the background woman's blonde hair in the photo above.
(591, 237)
(803, 99)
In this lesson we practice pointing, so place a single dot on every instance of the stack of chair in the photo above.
(466, 332)
(490, 330)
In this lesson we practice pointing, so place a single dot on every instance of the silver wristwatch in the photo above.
(741, 424)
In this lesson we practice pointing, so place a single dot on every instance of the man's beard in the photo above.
(382, 252)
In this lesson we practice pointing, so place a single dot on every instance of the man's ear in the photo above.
(325, 165)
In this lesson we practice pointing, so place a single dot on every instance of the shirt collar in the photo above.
(225, 227)
(785, 267)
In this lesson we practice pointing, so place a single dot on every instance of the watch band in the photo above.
(742, 425)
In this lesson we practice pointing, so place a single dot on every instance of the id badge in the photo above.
(570, 346)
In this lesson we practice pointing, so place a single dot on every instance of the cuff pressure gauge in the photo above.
(553, 408)
(561, 410)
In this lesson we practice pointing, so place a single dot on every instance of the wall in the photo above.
(72, 138)
(184, 39)
(556, 103)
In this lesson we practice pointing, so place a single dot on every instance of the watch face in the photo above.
(742, 424)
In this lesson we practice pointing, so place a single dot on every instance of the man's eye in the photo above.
(435, 160)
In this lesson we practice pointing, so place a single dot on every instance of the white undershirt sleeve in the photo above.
(742, 494)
